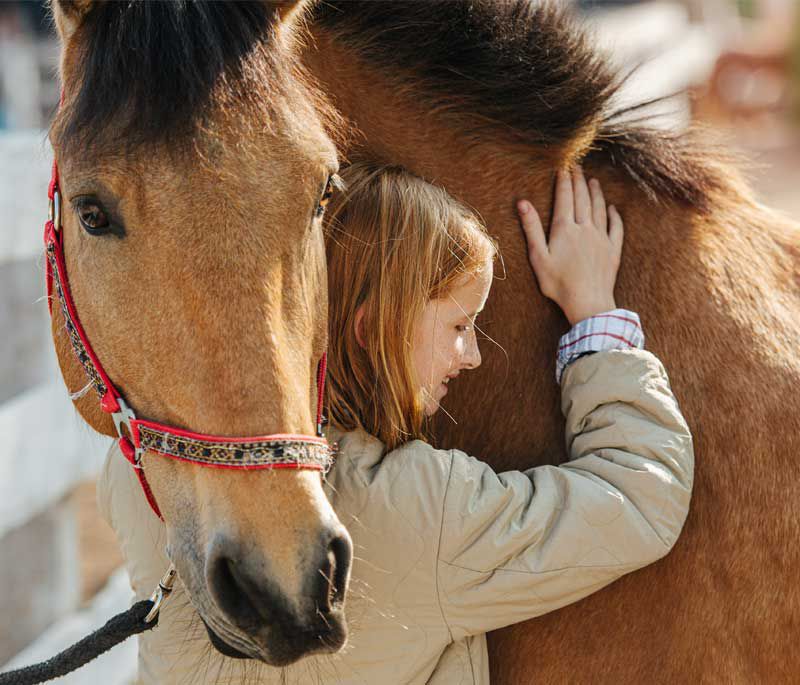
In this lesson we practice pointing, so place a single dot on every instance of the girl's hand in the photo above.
(578, 268)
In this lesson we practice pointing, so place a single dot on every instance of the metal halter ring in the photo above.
(121, 418)
(54, 210)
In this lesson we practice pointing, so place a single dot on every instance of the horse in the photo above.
(193, 167)
(489, 100)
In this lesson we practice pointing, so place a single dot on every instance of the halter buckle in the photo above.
(54, 210)
(121, 418)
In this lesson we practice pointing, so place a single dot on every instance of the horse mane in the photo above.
(149, 71)
(526, 70)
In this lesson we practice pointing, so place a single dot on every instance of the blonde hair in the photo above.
(394, 243)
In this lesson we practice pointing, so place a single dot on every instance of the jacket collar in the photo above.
(356, 450)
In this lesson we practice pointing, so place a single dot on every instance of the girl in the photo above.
(447, 549)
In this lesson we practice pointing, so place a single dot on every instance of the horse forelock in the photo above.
(153, 72)
(526, 71)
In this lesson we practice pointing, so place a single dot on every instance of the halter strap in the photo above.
(136, 436)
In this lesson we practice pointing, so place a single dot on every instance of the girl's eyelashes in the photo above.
(465, 327)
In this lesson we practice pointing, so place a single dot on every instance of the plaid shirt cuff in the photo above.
(618, 329)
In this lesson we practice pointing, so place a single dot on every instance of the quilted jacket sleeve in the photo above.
(519, 544)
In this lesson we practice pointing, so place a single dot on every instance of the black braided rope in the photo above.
(118, 629)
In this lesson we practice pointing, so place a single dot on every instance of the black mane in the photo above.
(519, 64)
(521, 68)
(148, 69)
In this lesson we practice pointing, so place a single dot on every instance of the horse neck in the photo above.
(703, 282)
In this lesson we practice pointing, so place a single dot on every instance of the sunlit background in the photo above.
(735, 65)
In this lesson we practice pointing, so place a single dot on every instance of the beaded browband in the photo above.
(136, 436)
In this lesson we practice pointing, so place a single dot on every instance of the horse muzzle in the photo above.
(259, 619)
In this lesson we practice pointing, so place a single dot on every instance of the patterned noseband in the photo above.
(136, 436)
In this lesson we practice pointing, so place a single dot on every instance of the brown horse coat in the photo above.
(489, 99)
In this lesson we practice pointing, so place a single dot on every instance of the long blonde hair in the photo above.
(395, 242)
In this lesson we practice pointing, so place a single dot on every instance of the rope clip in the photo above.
(161, 593)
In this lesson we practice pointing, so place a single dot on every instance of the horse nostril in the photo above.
(231, 591)
(336, 570)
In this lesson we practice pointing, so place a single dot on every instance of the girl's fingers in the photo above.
(599, 216)
(534, 232)
(564, 207)
(583, 202)
(615, 229)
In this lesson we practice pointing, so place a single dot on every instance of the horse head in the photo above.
(193, 170)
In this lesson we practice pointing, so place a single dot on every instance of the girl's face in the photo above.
(444, 341)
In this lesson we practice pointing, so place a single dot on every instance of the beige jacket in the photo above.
(447, 549)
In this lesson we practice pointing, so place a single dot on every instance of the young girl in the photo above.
(445, 548)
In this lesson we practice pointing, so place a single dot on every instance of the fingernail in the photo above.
(524, 206)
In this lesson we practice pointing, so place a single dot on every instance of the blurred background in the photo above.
(735, 63)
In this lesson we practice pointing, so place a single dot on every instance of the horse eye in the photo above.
(326, 196)
(92, 217)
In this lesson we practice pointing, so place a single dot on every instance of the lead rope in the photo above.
(141, 617)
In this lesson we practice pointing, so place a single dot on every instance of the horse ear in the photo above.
(287, 10)
(69, 14)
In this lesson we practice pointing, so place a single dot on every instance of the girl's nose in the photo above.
(472, 356)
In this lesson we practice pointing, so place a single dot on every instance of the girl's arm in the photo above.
(518, 544)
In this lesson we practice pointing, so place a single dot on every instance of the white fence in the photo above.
(45, 448)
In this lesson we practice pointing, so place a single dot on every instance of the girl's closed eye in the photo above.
(467, 323)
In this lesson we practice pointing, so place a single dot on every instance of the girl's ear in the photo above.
(358, 326)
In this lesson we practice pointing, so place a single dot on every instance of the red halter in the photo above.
(260, 452)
